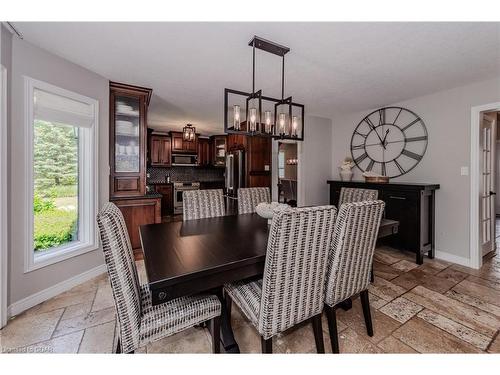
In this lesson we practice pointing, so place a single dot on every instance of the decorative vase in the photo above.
(346, 174)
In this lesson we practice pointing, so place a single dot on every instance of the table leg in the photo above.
(226, 331)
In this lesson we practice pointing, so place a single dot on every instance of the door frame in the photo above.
(3, 196)
(475, 252)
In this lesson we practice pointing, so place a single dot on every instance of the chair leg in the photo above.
(215, 330)
(267, 345)
(372, 275)
(229, 304)
(365, 302)
(332, 328)
(318, 333)
(118, 349)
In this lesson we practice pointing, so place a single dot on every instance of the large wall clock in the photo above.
(390, 141)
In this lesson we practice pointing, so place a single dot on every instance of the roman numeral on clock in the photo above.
(361, 134)
(401, 169)
(411, 123)
(360, 158)
(415, 139)
(370, 123)
(358, 147)
(381, 115)
(370, 165)
(411, 154)
(384, 173)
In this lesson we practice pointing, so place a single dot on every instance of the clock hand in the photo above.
(383, 141)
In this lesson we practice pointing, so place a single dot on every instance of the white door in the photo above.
(487, 206)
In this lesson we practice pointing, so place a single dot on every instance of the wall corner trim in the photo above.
(453, 258)
(43, 295)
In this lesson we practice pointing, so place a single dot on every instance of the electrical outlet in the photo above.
(464, 171)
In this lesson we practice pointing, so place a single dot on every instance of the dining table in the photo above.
(193, 256)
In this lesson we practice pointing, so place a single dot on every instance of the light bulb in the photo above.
(236, 117)
(282, 117)
(295, 125)
(253, 118)
(267, 118)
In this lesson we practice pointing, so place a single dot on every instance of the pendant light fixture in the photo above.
(188, 133)
(263, 115)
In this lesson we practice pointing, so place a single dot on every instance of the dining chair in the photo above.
(350, 260)
(200, 204)
(249, 198)
(138, 321)
(349, 195)
(291, 290)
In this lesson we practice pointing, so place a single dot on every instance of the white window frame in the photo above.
(87, 182)
(3, 196)
(284, 164)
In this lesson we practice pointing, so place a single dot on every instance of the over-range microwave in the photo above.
(184, 160)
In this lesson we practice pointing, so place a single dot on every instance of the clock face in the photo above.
(390, 141)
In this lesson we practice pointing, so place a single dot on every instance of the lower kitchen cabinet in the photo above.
(167, 199)
(136, 212)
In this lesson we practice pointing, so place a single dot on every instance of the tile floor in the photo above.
(433, 308)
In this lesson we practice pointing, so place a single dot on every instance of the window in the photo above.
(281, 164)
(61, 174)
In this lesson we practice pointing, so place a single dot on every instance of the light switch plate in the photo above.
(464, 171)
(266, 167)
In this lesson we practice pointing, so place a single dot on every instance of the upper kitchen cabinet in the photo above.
(219, 149)
(127, 149)
(160, 150)
(180, 146)
(204, 158)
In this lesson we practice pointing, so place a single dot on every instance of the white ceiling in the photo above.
(332, 67)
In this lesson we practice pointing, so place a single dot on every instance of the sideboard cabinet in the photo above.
(412, 204)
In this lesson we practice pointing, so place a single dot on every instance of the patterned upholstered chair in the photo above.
(350, 260)
(292, 288)
(200, 204)
(350, 195)
(249, 198)
(139, 322)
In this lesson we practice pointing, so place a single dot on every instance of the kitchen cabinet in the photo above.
(137, 212)
(236, 142)
(127, 139)
(167, 199)
(204, 158)
(258, 155)
(218, 150)
(411, 204)
(180, 146)
(160, 150)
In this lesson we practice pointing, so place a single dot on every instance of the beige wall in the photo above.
(28, 60)
(447, 115)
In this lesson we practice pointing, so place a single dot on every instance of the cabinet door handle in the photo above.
(400, 198)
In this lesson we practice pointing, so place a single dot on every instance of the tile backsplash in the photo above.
(184, 174)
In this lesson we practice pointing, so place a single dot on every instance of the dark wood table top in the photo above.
(181, 254)
(178, 251)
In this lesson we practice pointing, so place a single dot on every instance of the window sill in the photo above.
(58, 254)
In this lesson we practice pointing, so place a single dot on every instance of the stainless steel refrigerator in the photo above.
(235, 172)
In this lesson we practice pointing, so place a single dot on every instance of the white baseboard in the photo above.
(453, 258)
(43, 295)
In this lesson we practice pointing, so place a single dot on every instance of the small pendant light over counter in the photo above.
(264, 115)
(189, 132)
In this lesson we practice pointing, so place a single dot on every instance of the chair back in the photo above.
(249, 198)
(294, 273)
(350, 195)
(200, 204)
(351, 256)
(122, 272)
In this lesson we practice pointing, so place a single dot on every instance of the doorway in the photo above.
(485, 175)
(287, 172)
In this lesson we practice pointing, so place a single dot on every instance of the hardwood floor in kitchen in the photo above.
(437, 307)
